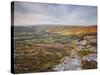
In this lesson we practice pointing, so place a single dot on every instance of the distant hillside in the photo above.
(61, 29)
(68, 30)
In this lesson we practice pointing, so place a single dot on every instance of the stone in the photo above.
(90, 57)
(68, 63)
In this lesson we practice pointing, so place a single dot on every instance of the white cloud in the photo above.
(38, 13)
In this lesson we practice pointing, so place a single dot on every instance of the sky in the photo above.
(29, 13)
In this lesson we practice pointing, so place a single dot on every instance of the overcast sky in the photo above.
(27, 13)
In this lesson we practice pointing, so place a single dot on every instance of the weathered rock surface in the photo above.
(90, 57)
(68, 63)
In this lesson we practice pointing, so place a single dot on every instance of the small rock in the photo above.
(90, 57)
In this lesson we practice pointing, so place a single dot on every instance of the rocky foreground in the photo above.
(54, 52)
(84, 56)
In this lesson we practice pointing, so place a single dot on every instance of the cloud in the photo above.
(27, 13)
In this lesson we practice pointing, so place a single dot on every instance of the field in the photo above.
(44, 48)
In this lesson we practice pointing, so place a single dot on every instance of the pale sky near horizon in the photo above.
(29, 13)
